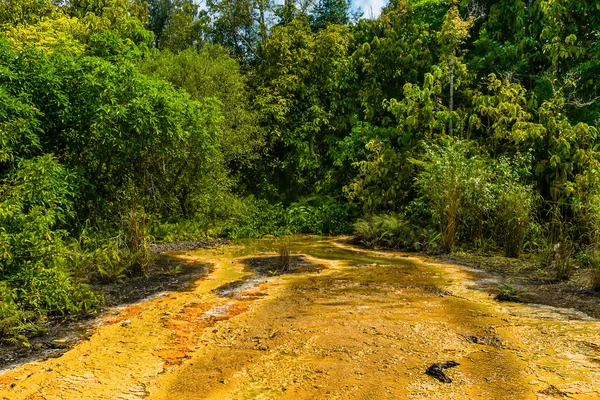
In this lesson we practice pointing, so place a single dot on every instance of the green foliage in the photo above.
(330, 12)
(445, 123)
(137, 241)
(310, 215)
(558, 255)
(239, 25)
(71, 30)
(515, 208)
(397, 41)
(14, 12)
(507, 292)
(256, 218)
(210, 72)
(14, 320)
(36, 199)
(391, 232)
(305, 107)
(594, 265)
(456, 186)
(177, 24)
(326, 215)
(123, 129)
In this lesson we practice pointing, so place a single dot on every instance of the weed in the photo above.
(457, 187)
(557, 256)
(173, 271)
(507, 292)
(594, 265)
(284, 259)
(137, 242)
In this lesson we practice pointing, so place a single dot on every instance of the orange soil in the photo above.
(365, 328)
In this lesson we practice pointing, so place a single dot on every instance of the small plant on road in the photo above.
(284, 260)
(507, 292)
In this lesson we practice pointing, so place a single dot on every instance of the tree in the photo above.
(177, 24)
(330, 12)
(389, 52)
(453, 34)
(305, 108)
(13, 12)
(212, 73)
(240, 25)
(292, 9)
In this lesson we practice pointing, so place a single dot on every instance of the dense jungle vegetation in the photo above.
(441, 124)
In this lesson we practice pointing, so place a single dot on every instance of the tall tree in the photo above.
(24, 11)
(305, 108)
(177, 24)
(292, 9)
(330, 12)
(240, 25)
(455, 30)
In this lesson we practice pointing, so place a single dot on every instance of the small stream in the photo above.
(339, 322)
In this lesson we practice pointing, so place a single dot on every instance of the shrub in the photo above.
(319, 215)
(390, 231)
(514, 216)
(14, 321)
(255, 218)
(557, 255)
(35, 260)
(457, 188)
(594, 265)
(137, 242)
(507, 292)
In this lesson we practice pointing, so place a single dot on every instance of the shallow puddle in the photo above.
(344, 323)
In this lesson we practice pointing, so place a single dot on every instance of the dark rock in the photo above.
(437, 370)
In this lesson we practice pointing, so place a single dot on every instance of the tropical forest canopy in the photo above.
(438, 125)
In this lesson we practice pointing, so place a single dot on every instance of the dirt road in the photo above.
(344, 324)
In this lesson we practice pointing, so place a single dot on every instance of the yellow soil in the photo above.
(367, 327)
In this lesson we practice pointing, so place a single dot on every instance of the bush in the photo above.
(35, 260)
(514, 216)
(390, 231)
(14, 321)
(507, 292)
(593, 263)
(255, 218)
(557, 254)
(137, 242)
(318, 215)
(457, 187)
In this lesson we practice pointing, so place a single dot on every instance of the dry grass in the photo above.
(284, 260)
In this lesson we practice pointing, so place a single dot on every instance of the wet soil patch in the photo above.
(299, 264)
(61, 333)
(493, 341)
(167, 274)
(532, 284)
(262, 268)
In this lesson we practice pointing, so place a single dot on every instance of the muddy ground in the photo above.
(342, 323)
(61, 333)
(533, 284)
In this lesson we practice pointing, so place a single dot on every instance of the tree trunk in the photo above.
(263, 25)
(451, 97)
